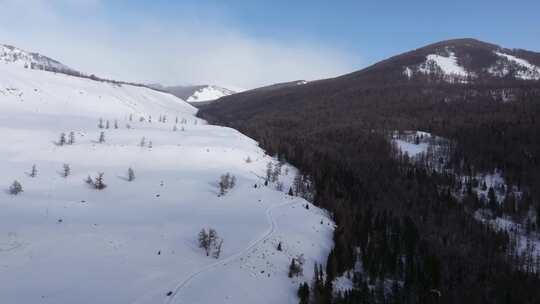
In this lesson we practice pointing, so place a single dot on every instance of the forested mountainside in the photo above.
(412, 231)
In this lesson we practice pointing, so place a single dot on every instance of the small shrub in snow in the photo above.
(175, 128)
(248, 160)
(107, 125)
(143, 142)
(116, 124)
(100, 123)
(15, 188)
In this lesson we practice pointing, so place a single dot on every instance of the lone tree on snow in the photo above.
(33, 172)
(62, 139)
(295, 268)
(101, 137)
(130, 175)
(143, 142)
(71, 139)
(15, 188)
(66, 170)
(98, 182)
(100, 124)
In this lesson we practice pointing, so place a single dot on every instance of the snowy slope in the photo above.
(62, 241)
(522, 68)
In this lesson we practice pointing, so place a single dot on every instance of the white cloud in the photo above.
(146, 49)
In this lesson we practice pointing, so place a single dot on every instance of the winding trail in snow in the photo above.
(253, 244)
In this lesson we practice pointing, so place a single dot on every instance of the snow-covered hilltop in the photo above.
(209, 93)
(461, 61)
(132, 236)
(12, 55)
(199, 93)
(448, 67)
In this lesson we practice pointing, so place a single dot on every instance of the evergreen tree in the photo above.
(33, 172)
(204, 241)
(15, 188)
(130, 175)
(62, 139)
(101, 137)
(98, 182)
(66, 170)
(71, 139)
(303, 293)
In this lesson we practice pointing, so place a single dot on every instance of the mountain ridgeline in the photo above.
(414, 229)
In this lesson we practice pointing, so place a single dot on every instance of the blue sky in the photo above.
(251, 43)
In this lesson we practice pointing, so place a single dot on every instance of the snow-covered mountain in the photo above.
(200, 93)
(63, 240)
(12, 55)
(465, 60)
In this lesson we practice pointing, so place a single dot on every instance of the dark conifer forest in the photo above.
(408, 224)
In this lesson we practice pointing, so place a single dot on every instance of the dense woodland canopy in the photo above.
(416, 239)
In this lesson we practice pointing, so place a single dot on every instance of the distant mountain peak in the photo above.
(13, 55)
(458, 61)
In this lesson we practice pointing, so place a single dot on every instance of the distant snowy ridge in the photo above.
(446, 65)
(208, 93)
(35, 61)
